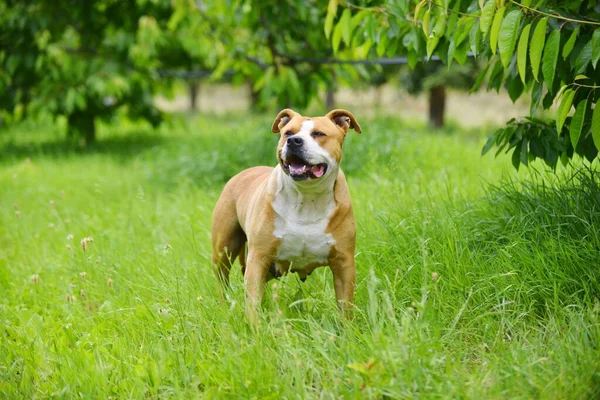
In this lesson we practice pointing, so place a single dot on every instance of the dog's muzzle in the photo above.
(296, 165)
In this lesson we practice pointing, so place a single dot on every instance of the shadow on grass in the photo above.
(121, 148)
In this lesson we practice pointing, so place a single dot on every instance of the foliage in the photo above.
(548, 48)
(275, 46)
(512, 311)
(90, 60)
(425, 76)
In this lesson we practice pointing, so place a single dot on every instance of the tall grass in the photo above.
(473, 281)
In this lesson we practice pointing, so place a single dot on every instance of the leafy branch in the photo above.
(526, 50)
(555, 15)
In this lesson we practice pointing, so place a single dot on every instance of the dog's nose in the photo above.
(295, 141)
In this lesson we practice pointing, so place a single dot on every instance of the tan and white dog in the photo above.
(296, 216)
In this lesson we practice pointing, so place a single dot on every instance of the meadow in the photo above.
(473, 280)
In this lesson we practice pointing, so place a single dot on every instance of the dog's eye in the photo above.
(289, 133)
(318, 134)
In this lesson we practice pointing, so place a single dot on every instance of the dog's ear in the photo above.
(344, 119)
(282, 119)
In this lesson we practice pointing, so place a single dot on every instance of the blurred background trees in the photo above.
(84, 61)
(90, 61)
(434, 78)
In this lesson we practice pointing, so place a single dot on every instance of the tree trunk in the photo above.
(330, 98)
(193, 87)
(254, 98)
(81, 125)
(437, 106)
(378, 96)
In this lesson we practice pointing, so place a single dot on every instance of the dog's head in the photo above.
(310, 148)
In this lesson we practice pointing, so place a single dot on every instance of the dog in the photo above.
(294, 217)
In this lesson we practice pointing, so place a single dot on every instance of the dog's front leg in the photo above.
(344, 276)
(255, 279)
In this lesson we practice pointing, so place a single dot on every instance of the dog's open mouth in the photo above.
(301, 170)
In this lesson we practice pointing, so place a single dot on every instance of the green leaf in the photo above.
(522, 52)
(391, 49)
(418, 9)
(577, 122)
(496, 29)
(496, 77)
(359, 17)
(536, 148)
(426, 24)
(523, 157)
(461, 54)
(363, 50)
(332, 7)
(328, 25)
(432, 42)
(551, 57)
(516, 158)
(595, 47)
(488, 145)
(537, 45)
(337, 37)
(536, 96)
(508, 36)
(584, 58)
(596, 126)
(564, 108)
(486, 16)
(451, 49)
(463, 30)
(515, 88)
(568, 47)
(480, 79)
(346, 23)
(439, 27)
(413, 59)
(381, 46)
(561, 90)
(475, 38)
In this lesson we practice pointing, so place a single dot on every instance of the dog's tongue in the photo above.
(318, 170)
(298, 169)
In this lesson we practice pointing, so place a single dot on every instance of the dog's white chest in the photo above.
(300, 224)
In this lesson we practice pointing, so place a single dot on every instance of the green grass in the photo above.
(513, 311)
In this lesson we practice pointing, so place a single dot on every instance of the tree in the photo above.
(549, 49)
(434, 78)
(276, 46)
(87, 60)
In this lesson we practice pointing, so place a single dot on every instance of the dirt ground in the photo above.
(470, 110)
